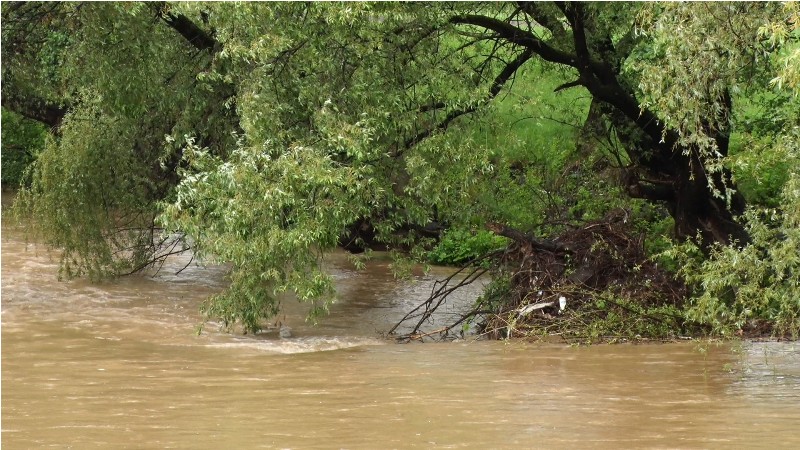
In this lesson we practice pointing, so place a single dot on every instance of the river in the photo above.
(119, 365)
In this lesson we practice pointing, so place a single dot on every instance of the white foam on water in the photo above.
(300, 344)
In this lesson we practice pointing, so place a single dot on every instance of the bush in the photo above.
(459, 246)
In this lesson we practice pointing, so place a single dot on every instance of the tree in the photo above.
(289, 124)
(756, 288)
(93, 191)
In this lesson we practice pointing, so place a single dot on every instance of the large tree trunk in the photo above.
(676, 176)
(660, 171)
(682, 183)
(594, 130)
(697, 210)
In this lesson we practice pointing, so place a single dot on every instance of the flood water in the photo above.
(119, 365)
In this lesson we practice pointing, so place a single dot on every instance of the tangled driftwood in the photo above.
(559, 286)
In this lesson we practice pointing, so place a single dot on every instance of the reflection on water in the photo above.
(118, 365)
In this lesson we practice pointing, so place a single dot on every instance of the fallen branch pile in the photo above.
(592, 282)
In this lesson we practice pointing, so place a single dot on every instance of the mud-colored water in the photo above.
(118, 365)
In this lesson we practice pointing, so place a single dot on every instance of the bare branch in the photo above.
(524, 238)
(578, 82)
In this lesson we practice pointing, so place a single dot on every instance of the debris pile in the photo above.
(591, 283)
(598, 273)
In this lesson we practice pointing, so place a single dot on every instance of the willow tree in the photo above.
(260, 134)
(110, 80)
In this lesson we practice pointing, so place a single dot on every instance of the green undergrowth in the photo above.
(459, 246)
(530, 133)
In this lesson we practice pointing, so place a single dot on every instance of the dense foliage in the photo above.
(264, 135)
(22, 140)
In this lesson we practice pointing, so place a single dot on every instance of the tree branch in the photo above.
(537, 12)
(598, 77)
(571, 84)
(33, 108)
(573, 11)
(193, 34)
(519, 236)
(497, 86)
(517, 36)
(52, 114)
(510, 69)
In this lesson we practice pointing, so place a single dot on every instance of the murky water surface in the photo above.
(118, 365)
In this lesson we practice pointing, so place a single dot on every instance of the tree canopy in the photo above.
(265, 135)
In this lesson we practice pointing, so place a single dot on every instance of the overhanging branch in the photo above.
(537, 11)
(34, 108)
(573, 11)
(517, 36)
(525, 238)
(193, 34)
(497, 85)
(571, 84)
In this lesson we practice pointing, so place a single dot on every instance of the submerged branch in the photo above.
(440, 292)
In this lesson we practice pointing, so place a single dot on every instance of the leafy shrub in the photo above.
(459, 246)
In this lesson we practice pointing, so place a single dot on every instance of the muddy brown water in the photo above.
(118, 365)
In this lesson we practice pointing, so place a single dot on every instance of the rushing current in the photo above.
(120, 365)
